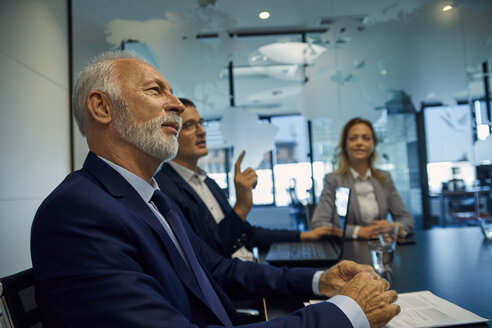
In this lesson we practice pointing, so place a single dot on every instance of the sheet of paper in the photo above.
(424, 309)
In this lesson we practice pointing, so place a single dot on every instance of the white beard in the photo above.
(147, 136)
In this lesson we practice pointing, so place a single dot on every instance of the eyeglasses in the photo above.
(192, 125)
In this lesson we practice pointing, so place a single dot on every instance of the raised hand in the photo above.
(244, 182)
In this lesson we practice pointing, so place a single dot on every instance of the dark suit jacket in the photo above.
(101, 258)
(228, 235)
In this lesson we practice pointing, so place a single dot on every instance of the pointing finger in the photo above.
(237, 166)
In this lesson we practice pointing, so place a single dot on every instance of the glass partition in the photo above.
(348, 59)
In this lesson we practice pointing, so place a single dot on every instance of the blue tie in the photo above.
(164, 206)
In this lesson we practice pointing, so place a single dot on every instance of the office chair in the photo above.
(309, 214)
(297, 210)
(17, 302)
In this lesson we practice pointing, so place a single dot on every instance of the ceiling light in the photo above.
(446, 8)
(264, 15)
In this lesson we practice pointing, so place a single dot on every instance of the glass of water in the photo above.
(486, 226)
(381, 255)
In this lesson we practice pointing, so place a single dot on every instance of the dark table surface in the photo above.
(453, 263)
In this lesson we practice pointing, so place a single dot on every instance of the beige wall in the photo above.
(34, 118)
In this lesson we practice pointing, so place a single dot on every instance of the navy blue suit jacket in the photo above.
(228, 235)
(101, 258)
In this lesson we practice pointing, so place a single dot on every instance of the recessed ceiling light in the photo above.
(264, 15)
(446, 8)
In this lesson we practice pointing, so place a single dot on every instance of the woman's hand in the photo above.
(320, 233)
(368, 232)
(376, 227)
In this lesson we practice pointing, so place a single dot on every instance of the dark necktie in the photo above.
(163, 204)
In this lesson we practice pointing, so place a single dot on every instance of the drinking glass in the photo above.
(381, 255)
(486, 226)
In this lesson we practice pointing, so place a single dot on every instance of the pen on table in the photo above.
(256, 257)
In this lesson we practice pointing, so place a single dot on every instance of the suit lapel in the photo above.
(380, 199)
(183, 185)
(218, 194)
(354, 202)
(120, 189)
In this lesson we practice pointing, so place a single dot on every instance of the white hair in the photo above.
(100, 74)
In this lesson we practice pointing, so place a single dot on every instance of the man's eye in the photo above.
(156, 89)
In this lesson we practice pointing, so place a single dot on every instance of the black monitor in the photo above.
(484, 174)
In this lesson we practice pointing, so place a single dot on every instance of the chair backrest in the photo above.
(309, 214)
(17, 301)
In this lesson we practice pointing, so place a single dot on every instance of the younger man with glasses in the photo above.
(204, 204)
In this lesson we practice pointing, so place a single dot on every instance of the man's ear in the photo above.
(100, 108)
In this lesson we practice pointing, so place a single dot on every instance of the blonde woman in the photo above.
(373, 194)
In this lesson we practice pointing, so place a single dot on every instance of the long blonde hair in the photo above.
(341, 153)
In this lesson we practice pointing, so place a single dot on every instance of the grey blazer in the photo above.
(387, 198)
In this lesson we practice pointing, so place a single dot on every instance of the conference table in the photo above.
(453, 263)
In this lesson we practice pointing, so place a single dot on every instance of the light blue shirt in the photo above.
(349, 307)
(146, 191)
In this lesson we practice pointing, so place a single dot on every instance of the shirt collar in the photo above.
(143, 188)
(188, 174)
(355, 174)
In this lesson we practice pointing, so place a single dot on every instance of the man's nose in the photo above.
(200, 130)
(176, 106)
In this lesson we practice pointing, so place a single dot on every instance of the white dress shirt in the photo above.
(197, 183)
(368, 205)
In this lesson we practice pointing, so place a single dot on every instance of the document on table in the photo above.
(424, 309)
